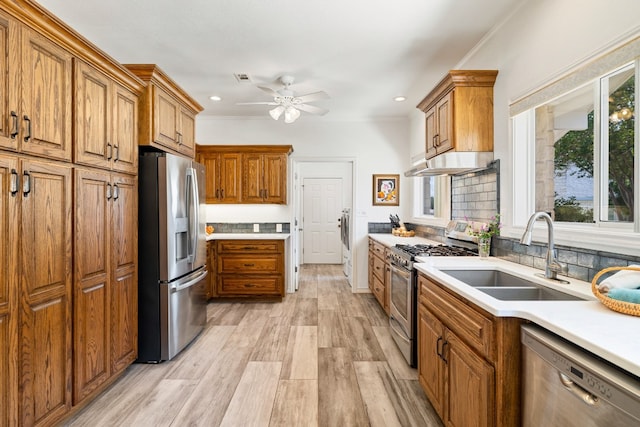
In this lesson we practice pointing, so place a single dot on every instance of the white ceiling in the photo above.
(361, 52)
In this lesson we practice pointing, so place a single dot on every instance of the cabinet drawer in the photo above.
(470, 325)
(269, 263)
(378, 290)
(249, 246)
(250, 286)
(377, 248)
(378, 268)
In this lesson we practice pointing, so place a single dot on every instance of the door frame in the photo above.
(298, 176)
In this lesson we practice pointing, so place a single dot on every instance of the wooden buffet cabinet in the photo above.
(468, 360)
(248, 268)
(245, 173)
(459, 113)
(68, 217)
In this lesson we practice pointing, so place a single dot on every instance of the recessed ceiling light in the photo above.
(400, 98)
(215, 98)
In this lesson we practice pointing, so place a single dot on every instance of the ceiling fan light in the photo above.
(277, 112)
(291, 115)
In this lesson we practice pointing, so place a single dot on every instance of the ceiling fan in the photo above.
(287, 103)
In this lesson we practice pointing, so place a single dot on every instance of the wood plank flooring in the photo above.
(322, 357)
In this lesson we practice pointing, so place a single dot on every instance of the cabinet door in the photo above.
(91, 287)
(252, 189)
(9, 78)
(470, 386)
(211, 164)
(275, 178)
(211, 266)
(45, 254)
(166, 116)
(444, 140)
(430, 133)
(93, 145)
(125, 130)
(230, 170)
(46, 96)
(187, 133)
(124, 283)
(430, 372)
(8, 283)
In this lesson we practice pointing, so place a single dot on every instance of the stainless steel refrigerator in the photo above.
(172, 255)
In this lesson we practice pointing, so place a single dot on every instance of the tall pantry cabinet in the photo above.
(68, 217)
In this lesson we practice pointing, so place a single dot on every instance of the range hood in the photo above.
(452, 163)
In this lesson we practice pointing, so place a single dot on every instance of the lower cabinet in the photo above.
(379, 273)
(105, 288)
(468, 360)
(211, 267)
(249, 268)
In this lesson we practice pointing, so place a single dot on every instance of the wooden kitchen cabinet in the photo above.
(36, 92)
(106, 114)
(222, 175)
(250, 268)
(105, 285)
(167, 113)
(45, 253)
(468, 360)
(378, 275)
(254, 174)
(211, 267)
(459, 113)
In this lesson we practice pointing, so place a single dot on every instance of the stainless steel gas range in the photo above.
(404, 291)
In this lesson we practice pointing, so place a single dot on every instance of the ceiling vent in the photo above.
(242, 78)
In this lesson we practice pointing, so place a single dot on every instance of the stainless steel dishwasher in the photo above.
(564, 385)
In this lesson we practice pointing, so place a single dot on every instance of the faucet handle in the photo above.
(558, 266)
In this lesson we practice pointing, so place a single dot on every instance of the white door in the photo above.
(321, 210)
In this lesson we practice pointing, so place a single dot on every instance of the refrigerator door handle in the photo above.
(198, 278)
(192, 214)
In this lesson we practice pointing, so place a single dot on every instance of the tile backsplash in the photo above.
(242, 227)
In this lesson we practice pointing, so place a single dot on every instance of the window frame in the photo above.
(603, 235)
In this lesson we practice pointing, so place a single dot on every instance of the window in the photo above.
(432, 194)
(428, 195)
(585, 145)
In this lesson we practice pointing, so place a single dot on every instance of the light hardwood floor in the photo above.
(322, 357)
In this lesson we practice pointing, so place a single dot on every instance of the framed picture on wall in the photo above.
(386, 190)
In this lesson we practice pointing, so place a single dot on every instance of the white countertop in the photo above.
(247, 236)
(588, 324)
(391, 240)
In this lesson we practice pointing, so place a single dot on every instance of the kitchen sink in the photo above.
(488, 278)
(534, 293)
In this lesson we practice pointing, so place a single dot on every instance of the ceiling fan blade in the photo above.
(312, 109)
(257, 103)
(315, 96)
(268, 90)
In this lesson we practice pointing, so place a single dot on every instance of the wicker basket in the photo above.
(613, 304)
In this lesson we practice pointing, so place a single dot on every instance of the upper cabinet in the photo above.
(245, 173)
(167, 113)
(459, 112)
(106, 117)
(35, 87)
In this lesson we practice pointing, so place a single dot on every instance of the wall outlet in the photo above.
(256, 228)
(278, 228)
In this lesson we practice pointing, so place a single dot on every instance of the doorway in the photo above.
(311, 169)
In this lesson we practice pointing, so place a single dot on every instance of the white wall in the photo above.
(379, 147)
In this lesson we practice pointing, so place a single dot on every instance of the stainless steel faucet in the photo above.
(553, 266)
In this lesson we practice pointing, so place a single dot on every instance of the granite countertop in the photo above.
(588, 324)
(248, 236)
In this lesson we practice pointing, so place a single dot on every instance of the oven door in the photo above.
(401, 311)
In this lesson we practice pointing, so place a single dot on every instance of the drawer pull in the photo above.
(249, 285)
(250, 248)
(14, 126)
(249, 265)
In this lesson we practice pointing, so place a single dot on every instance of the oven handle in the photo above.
(405, 273)
(400, 332)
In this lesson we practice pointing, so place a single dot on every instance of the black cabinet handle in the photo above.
(444, 345)
(217, 193)
(109, 151)
(117, 156)
(249, 285)
(27, 137)
(13, 185)
(26, 184)
(116, 192)
(222, 193)
(249, 265)
(108, 191)
(438, 347)
(14, 125)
